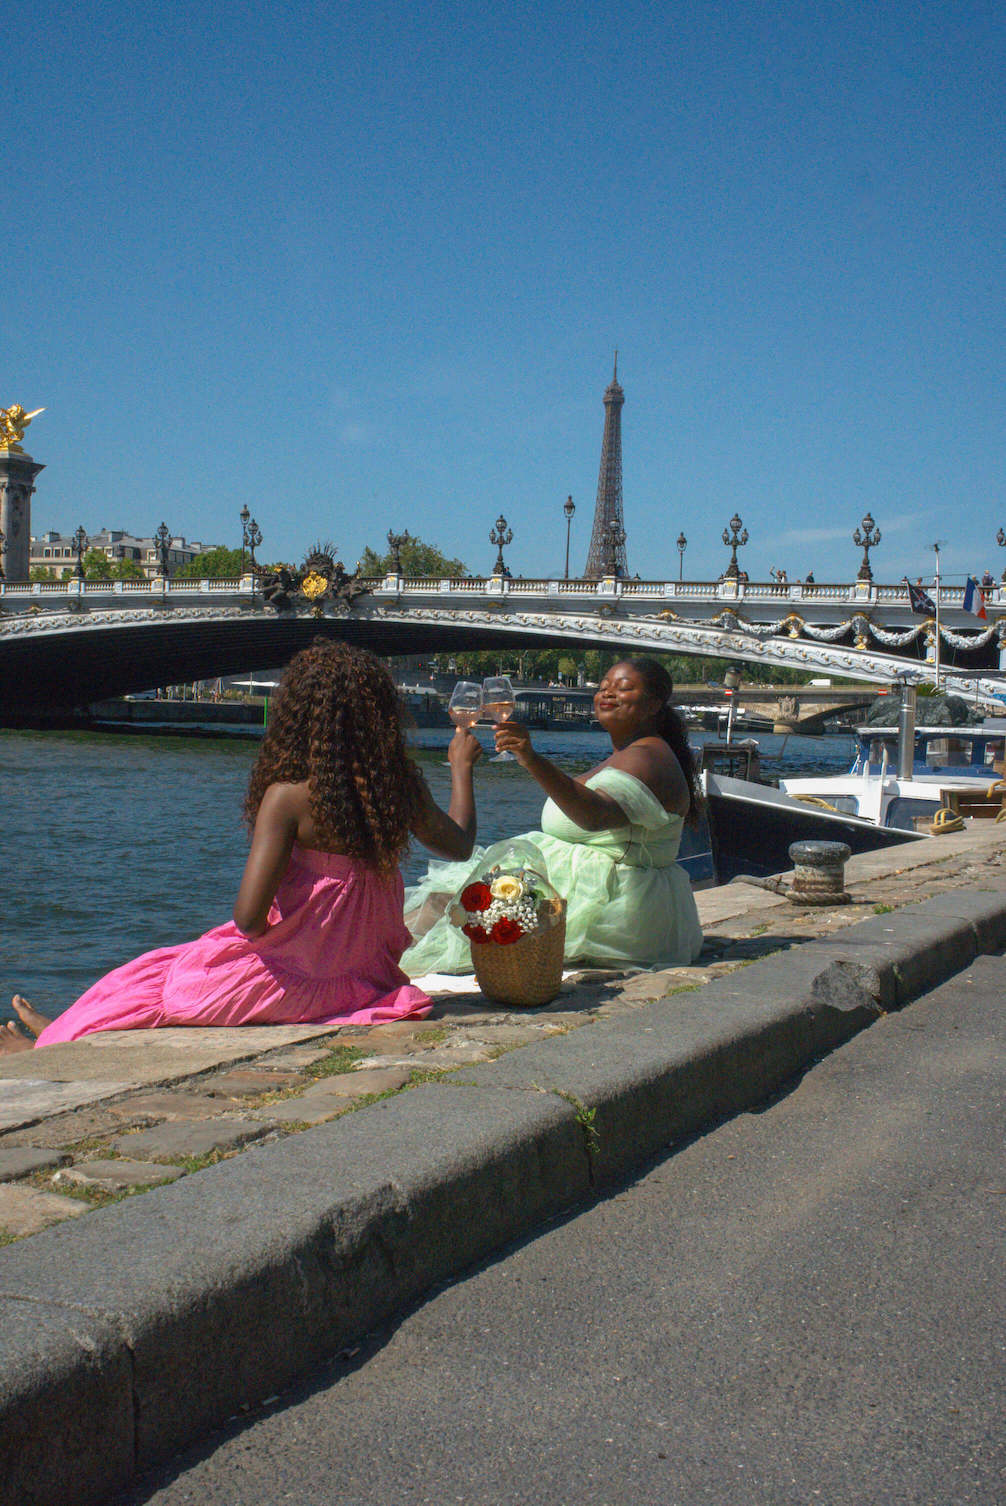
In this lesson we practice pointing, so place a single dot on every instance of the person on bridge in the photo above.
(609, 839)
(317, 932)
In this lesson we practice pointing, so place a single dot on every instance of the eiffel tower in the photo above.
(608, 509)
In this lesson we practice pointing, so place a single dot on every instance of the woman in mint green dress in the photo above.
(609, 839)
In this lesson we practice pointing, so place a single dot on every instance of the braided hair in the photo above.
(336, 722)
(671, 727)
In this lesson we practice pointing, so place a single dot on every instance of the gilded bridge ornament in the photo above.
(319, 579)
(13, 422)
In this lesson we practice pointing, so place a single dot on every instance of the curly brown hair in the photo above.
(336, 722)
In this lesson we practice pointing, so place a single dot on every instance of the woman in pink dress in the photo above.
(317, 929)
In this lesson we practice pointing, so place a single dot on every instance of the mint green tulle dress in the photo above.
(627, 899)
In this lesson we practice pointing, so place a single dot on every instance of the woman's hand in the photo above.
(513, 737)
(464, 750)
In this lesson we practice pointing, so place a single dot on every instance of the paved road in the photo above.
(803, 1306)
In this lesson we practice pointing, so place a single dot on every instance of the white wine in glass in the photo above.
(498, 702)
(465, 705)
(497, 698)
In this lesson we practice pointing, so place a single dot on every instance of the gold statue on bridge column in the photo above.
(13, 422)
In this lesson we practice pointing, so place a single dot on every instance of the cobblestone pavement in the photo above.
(88, 1133)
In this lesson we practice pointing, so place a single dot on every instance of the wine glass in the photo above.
(465, 706)
(498, 702)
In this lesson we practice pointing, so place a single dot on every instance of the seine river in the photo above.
(115, 844)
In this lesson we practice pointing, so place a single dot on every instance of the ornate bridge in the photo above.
(65, 644)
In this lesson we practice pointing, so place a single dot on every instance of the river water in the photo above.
(114, 844)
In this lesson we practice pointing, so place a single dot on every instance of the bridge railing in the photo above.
(860, 594)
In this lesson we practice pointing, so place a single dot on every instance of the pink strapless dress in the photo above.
(330, 957)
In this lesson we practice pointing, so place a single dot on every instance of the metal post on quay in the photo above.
(731, 685)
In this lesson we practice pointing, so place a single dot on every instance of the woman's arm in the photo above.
(649, 760)
(272, 842)
(451, 833)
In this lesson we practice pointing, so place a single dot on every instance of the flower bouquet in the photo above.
(516, 924)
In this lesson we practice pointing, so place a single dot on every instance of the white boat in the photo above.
(953, 769)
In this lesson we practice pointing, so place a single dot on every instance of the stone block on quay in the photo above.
(149, 1108)
(21, 1160)
(26, 1210)
(24, 1100)
(296, 1111)
(115, 1175)
(437, 1059)
(167, 1142)
(295, 1058)
(66, 1403)
(67, 1129)
(249, 1082)
(330, 1096)
(366, 1080)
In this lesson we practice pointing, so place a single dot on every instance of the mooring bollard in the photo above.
(819, 873)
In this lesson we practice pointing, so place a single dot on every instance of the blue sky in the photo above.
(365, 266)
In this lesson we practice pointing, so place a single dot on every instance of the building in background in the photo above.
(56, 551)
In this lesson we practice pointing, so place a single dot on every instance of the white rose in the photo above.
(506, 888)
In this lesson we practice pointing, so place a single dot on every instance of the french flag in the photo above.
(974, 601)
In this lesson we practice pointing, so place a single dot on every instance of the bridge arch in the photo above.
(64, 660)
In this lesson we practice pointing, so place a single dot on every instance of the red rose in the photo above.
(505, 931)
(475, 933)
(476, 897)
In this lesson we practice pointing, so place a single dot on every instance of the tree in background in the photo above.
(220, 563)
(97, 566)
(418, 559)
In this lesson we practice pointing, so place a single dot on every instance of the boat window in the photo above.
(903, 814)
(847, 804)
(877, 746)
(944, 752)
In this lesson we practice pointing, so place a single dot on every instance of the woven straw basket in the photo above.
(525, 973)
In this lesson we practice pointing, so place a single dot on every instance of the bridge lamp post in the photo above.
(3, 540)
(244, 515)
(614, 538)
(162, 540)
(737, 537)
(569, 509)
(395, 543)
(254, 540)
(1001, 539)
(682, 546)
(501, 535)
(79, 542)
(867, 540)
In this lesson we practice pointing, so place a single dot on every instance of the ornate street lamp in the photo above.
(569, 509)
(737, 537)
(3, 540)
(501, 535)
(395, 542)
(244, 515)
(1001, 539)
(162, 541)
(613, 539)
(79, 542)
(866, 541)
(254, 540)
(682, 546)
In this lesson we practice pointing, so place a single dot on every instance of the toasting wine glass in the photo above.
(498, 702)
(465, 705)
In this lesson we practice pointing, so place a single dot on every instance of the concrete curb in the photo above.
(133, 1332)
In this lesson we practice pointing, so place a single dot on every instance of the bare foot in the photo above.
(29, 1016)
(12, 1040)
